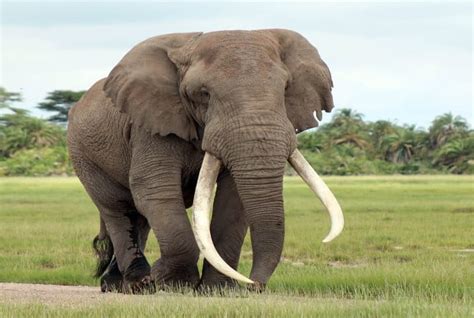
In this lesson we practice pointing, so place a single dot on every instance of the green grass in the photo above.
(406, 250)
(261, 306)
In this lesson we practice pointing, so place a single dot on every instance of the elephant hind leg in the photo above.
(122, 222)
(111, 278)
(103, 248)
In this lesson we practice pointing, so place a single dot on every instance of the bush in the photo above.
(30, 146)
(347, 145)
(37, 162)
(335, 163)
(19, 130)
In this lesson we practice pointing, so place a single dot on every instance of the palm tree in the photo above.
(400, 147)
(348, 127)
(377, 132)
(381, 128)
(352, 137)
(445, 127)
(313, 141)
(457, 155)
(19, 130)
(347, 116)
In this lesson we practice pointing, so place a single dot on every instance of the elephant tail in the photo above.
(103, 248)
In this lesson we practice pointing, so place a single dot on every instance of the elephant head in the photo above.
(242, 96)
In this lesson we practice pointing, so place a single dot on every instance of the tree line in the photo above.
(347, 145)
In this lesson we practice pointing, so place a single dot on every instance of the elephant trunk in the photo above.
(260, 185)
(255, 149)
(256, 155)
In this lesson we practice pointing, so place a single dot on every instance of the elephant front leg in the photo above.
(228, 229)
(177, 266)
(161, 201)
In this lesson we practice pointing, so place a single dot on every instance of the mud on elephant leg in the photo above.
(164, 209)
(228, 229)
(112, 279)
(130, 260)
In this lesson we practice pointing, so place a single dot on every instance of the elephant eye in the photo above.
(197, 96)
(204, 96)
(204, 91)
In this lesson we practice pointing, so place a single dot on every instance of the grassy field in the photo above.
(407, 250)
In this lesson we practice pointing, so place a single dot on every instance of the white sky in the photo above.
(403, 61)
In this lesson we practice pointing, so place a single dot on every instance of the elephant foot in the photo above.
(145, 286)
(111, 284)
(256, 287)
(175, 277)
(216, 284)
(137, 278)
(112, 279)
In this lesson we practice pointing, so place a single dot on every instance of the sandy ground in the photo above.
(54, 294)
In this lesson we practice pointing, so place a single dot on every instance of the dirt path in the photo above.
(14, 293)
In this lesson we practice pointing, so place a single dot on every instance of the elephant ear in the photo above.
(309, 88)
(144, 84)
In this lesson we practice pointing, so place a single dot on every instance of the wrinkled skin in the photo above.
(137, 140)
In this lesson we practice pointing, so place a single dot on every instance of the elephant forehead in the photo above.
(234, 44)
(229, 36)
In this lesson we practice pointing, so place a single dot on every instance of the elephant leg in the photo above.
(129, 258)
(121, 219)
(159, 197)
(112, 278)
(228, 229)
(143, 230)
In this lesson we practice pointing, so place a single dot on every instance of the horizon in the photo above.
(414, 59)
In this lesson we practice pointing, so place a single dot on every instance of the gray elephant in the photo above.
(178, 114)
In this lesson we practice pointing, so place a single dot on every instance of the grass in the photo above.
(261, 306)
(407, 250)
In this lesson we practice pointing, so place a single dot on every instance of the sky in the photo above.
(402, 61)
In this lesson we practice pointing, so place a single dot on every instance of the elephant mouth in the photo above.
(202, 206)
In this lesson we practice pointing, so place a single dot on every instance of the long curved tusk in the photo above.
(320, 188)
(201, 223)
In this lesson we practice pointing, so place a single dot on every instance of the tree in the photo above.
(379, 129)
(446, 127)
(19, 131)
(347, 116)
(59, 102)
(457, 155)
(29, 145)
(348, 127)
(313, 141)
(401, 146)
(8, 97)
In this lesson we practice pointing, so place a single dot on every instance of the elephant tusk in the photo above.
(320, 188)
(201, 223)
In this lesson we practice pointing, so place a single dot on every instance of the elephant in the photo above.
(179, 114)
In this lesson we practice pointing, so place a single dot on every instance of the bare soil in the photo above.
(14, 293)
